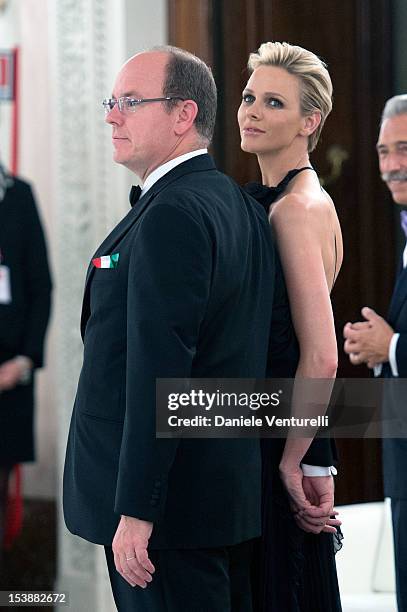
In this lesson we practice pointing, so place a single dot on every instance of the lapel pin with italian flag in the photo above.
(106, 261)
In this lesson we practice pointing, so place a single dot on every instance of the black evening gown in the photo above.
(293, 571)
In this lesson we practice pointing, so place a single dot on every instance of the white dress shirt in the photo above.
(164, 168)
(393, 342)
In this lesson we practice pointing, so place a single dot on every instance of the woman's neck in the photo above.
(275, 165)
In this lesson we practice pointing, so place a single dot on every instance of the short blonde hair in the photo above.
(315, 82)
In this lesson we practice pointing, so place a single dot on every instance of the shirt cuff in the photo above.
(318, 470)
(392, 354)
(377, 369)
(26, 365)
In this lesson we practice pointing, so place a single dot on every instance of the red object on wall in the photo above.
(14, 509)
(3, 71)
(14, 119)
(7, 74)
(9, 92)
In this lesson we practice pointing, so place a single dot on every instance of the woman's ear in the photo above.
(311, 122)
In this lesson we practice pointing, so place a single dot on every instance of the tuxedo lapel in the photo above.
(200, 163)
(119, 231)
(196, 164)
(106, 248)
(399, 296)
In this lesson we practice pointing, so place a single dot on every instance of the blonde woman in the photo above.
(284, 106)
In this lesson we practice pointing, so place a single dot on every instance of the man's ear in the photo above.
(310, 124)
(187, 112)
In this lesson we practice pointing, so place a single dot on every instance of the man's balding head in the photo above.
(167, 108)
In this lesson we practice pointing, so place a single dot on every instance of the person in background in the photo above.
(283, 109)
(25, 301)
(382, 343)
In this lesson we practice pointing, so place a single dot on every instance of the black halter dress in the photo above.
(294, 571)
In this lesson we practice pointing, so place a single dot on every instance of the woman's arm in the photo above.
(300, 235)
(299, 238)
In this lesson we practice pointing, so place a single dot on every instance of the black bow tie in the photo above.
(134, 195)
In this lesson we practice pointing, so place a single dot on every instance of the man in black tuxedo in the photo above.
(181, 288)
(382, 344)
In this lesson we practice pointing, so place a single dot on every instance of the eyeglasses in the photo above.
(129, 105)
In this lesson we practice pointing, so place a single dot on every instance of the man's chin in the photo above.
(119, 158)
(400, 195)
(124, 161)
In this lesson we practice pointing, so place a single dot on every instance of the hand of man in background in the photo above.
(368, 341)
(12, 371)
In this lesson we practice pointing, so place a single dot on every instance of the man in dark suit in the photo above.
(25, 290)
(382, 344)
(181, 288)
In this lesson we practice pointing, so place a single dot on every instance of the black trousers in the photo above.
(399, 516)
(204, 580)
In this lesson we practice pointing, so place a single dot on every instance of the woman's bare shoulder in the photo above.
(302, 207)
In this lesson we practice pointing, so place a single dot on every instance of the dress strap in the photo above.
(336, 260)
(336, 255)
(267, 195)
(290, 175)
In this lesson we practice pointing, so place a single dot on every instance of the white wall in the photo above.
(146, 25)
(36, 164)
(89, 44)
(129, 26)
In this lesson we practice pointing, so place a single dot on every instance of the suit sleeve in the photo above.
(169, 282)
(37, 282)
(401, 355)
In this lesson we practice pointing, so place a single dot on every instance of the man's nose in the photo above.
(392, 163)
(114, 116)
